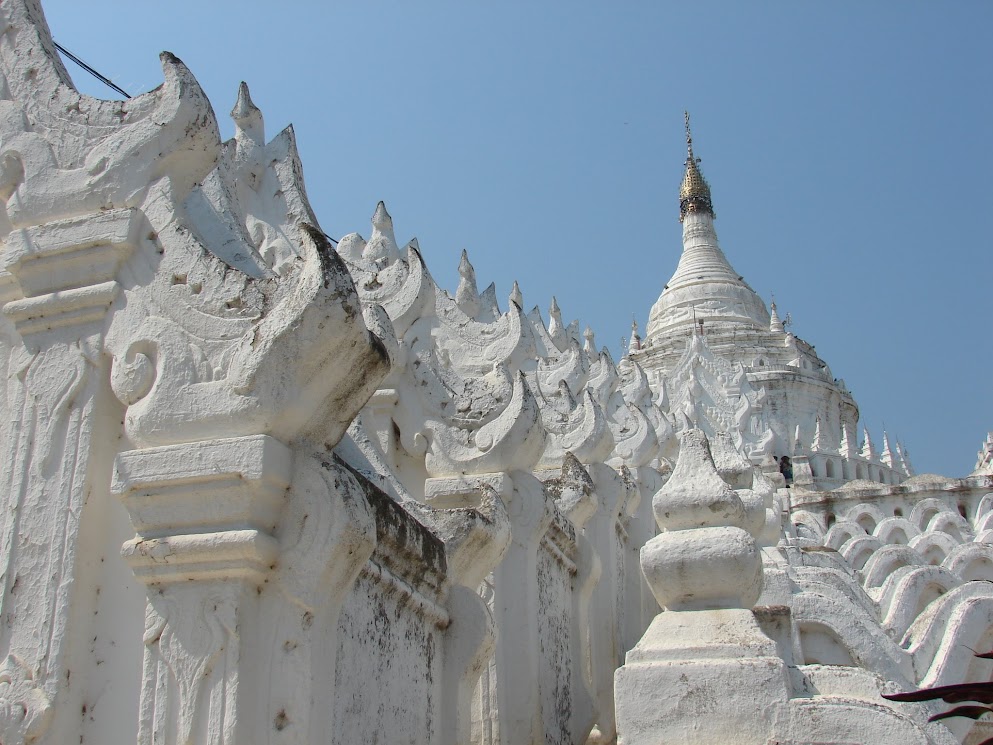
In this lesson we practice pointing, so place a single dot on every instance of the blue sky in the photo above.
(847, 146)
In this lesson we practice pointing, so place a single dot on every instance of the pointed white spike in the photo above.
(908, 469)
(555, 327)
(815, 444)
(247, 118)
(489, 308)
(382, 246)
(868, 451)
(887, 455)
(467, 294)
(516, 296)
(847, 446)
(381, 219)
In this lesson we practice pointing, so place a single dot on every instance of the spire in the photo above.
(703, 276)
(554, 315)
(635, 339)
(816, 445)
(887, 455)
(694, 193)
(556, 329)
(467, 294)
(247, 117)
(847, 447)
(516, 296)
(868, 451)
(775, 325)
(908, 469)
(382, 246)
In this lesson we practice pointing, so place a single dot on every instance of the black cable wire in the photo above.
(108, 82)
(105, 80)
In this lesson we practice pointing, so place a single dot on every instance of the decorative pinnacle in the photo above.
(816, 445)
(555, 326)
(775, 324)
(516, 296)
(868, 450)
(244, 107)
(465, 268)
(694, 193)
(382, 246)
(467, 294)
(588, 342)
(381, 219)
(635, 343)
(247, 116)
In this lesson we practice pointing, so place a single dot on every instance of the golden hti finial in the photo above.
(689, 136)
(694, 193)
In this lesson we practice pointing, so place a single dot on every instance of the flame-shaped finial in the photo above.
(516, 296)
(556, 329)
(382, 246)
(467, 294)
(694, 193)
(247, 117)
(589, 345)
(381, 219)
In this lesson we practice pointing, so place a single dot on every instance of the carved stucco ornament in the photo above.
(200, 351)
(465, 409)
(25, 709)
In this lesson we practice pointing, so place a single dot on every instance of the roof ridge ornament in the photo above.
(694, 193)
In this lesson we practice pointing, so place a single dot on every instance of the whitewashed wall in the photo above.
(259, 489)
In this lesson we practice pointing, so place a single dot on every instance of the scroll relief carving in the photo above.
(25, 709)
(235, 280)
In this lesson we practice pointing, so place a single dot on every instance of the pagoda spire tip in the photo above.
(694, 193)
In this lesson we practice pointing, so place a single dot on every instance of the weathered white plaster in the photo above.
(262, 489)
